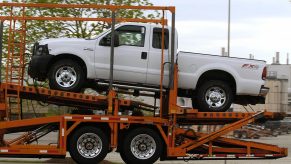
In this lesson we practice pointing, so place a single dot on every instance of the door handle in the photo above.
(88, 49)
(144, 55)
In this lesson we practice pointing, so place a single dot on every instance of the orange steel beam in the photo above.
(2, 106)
(117, 119)
(236, 142)
(238, 150)
(83, 118)
(220, 132)
(29, 122)
(226, 115)
(56, 93)
(41, 18)
(173, 108)
(40, 150)
(256, 145)
(68, 131)
(162, 69)
(88, 6)
(221, 145)
(163, 134)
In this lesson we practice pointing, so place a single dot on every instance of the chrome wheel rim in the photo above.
(143, 146)
(215, 97)
(66, 76)
(89, 145)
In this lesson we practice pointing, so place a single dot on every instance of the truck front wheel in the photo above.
(141, 146)
(66, 75)
(214, 96)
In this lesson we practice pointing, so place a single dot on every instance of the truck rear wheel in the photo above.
(141, 146)
(88, 145)
(214, 96)
(66, 75)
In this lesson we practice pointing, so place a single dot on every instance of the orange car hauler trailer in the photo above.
(139, 139)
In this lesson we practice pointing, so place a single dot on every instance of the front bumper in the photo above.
(38, 67)
(39, 64)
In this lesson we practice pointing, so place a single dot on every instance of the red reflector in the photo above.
(264, 74)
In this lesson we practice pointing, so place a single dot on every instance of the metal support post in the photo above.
(112, 50)
(1, 48)
(171, 71)
(111, 93)
(228, 28)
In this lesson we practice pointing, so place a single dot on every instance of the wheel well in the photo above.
(217, 75)
(69, 56)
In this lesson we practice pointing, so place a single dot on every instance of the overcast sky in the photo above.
(259, 27)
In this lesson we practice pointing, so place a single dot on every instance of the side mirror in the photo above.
(106, 41)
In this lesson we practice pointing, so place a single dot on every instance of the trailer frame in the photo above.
(177, 142)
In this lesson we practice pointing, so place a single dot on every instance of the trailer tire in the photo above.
(88, 145)
(141, 146)
(66, 75)
(214, 96)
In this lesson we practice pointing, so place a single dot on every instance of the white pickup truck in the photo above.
(213, 82)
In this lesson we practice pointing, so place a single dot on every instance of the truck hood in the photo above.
(69, 46)
(61, 41)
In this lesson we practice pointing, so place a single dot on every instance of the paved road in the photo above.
(113, 158)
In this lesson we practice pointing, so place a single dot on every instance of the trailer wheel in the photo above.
(141, 146)
(66, 75)
(88, 145)
(214, 96)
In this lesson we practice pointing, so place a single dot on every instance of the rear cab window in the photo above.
(157, 38)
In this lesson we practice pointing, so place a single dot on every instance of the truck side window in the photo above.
(128, 35)
(131, 35)
(157, 38)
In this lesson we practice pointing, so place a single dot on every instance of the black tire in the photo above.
(214, 87)
(75, 151)
(71, 66)
(126, 152)
(195, 103)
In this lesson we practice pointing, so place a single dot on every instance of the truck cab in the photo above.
(137, 53)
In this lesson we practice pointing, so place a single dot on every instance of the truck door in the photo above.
(130, 56)
(154, 63)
